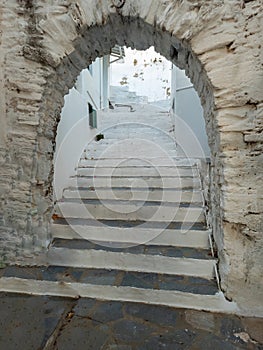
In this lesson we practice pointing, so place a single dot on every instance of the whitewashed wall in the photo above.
(74, 131)
(190, 131)
(73, 134)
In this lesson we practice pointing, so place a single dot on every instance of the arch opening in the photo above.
(94, 42)
(168, 46)
(229, 88)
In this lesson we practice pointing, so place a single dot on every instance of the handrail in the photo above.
(124, 105)
(184, 88)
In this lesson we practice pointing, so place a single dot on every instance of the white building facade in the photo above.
(79, 120)
(189, 122)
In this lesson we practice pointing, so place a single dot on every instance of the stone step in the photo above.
(124, 151)
(129, 205)
(154, 195)
(143, 161)
(212, 303)
(133, 235)
(116, 135)
(133, 140)
(116, 278)
(132, 248)
(138, 172)
(141, 182)
(110, 145)
(110, 135)
(129, 212)
(101, 259)
(131, 136)
(174, 225)
(161, 147)
(118, 153)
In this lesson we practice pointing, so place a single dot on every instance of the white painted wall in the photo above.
(190, 132)
(73, 131)
(105, 91)
(73, 134)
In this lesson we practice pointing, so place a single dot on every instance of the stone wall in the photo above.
(44, 46)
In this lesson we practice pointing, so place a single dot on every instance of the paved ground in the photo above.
(32, 322)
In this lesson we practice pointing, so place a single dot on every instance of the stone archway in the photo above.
(218, 43)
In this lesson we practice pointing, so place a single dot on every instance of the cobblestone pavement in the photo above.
(42, 322)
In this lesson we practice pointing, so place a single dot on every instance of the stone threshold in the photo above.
(195, 285)
(212, 303)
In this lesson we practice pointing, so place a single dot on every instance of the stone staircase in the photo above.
(121, 94)
(131, 227)
(129, 242)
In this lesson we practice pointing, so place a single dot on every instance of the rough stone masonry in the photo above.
(44, 46)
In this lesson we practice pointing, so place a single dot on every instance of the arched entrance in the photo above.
(218, 44)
